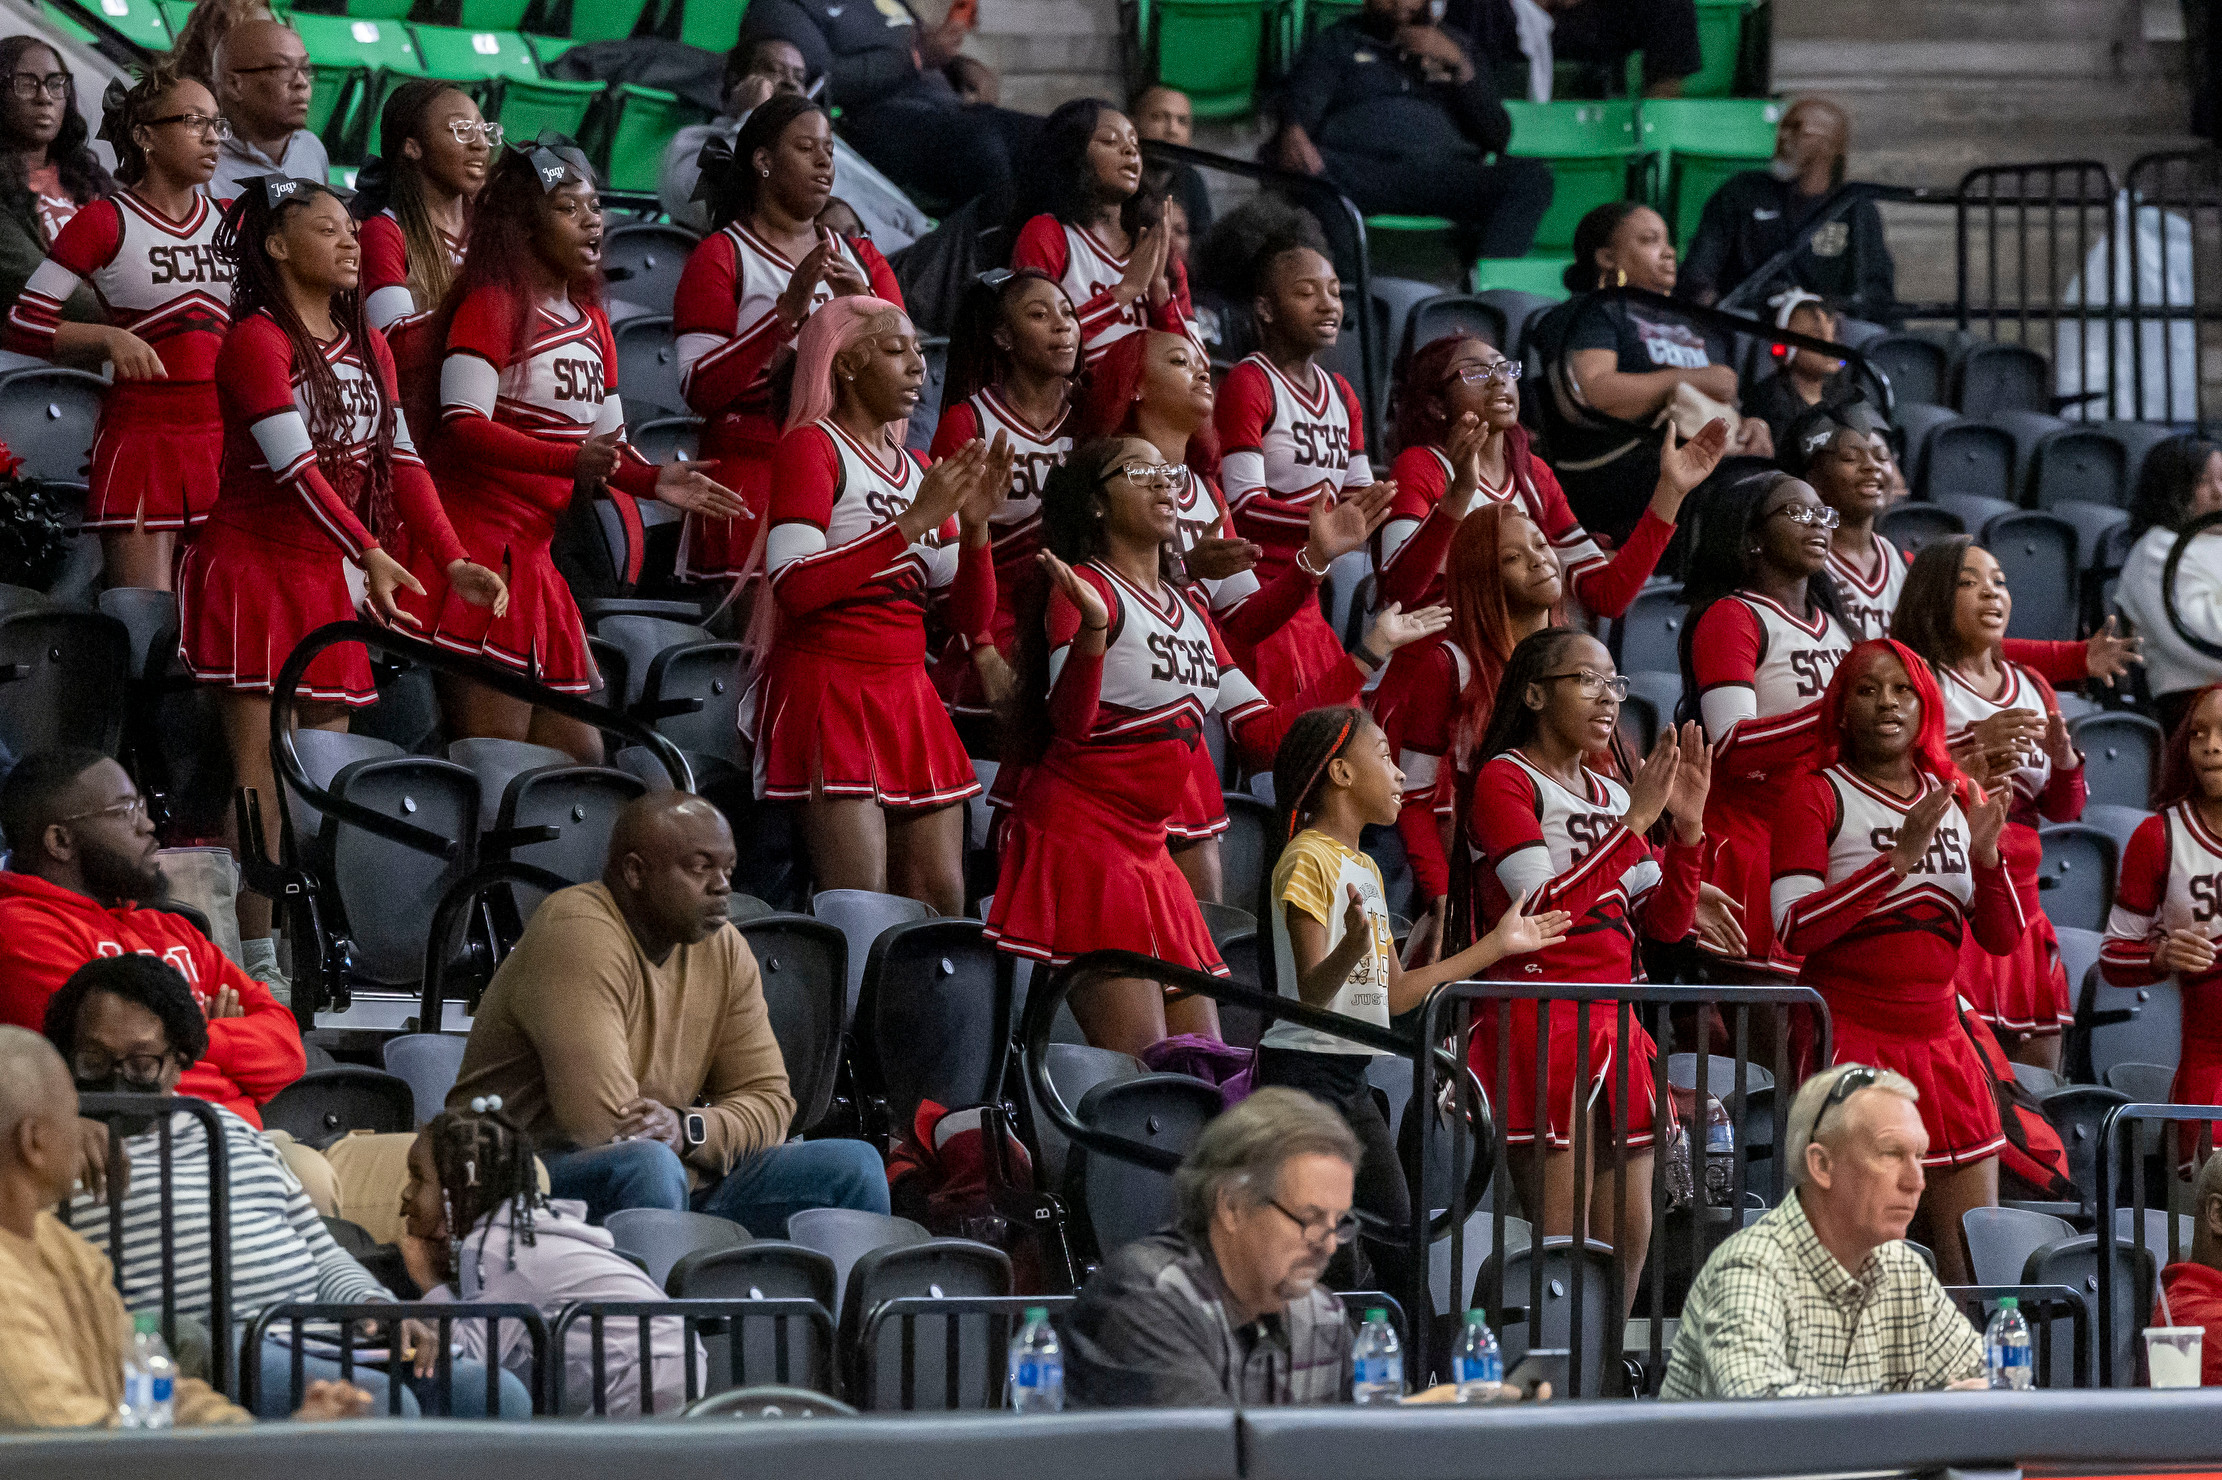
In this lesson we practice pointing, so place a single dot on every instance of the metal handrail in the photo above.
(1003, 1313)
(442, 1314)
(454, 909)
(2107, 1174)
(691, 1314)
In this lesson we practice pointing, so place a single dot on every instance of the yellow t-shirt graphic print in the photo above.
(1316, 874)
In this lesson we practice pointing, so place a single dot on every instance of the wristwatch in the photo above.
(694, 1127)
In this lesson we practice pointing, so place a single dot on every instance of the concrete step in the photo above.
(1948, 20)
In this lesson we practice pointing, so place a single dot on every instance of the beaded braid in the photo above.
(484, 1162)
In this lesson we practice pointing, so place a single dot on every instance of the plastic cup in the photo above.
(2172, 1355)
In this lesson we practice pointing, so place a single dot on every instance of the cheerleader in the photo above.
(529, 410)
(1083, 227)
(1333, 949)
(1114, 683)
(861, 532)
(1012, 363)
(2170, 893)
(148, 251)
(318, 471)
(2004, 727)
(1883, 857)
(1157, 386)
(1764, 635)
(1290, 433)
(765, 268)
(1458, 425)
(1542, 821)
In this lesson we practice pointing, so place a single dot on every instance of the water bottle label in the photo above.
(2003, 1355)
(1372, 1371)
(162, 1386)
(1030, 1373)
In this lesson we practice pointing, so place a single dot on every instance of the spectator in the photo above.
(1760, 212)
(1806, 377)
(889, 74)
(46, 169)
(2181, 480)
(1523, 40)
(1392, 109)
(1618, 369)
(1833, 448)
(477, 1228)
(1226, 1307)
(1822, 1296)
(64, 1331)
(262, 80)
(2194, 1283)
(84, 880)
(627, 1036)
(1163, 115)
(754, 70)
(207, 25)
(128, 1024)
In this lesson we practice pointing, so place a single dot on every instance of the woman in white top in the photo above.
(2182, 479)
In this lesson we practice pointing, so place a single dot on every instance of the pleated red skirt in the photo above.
(1513, 1102)
(1924, 1042)
(156, 456)
(2025, 991)
(246, 601)
(542, 634)
(866, 730)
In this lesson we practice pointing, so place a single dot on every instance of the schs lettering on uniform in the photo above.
(1813, 667)
(1588, 830)
(2203, 904)
(197, 263)
(579, 380)
(1188, 661)
(1322, 444)
(1947, 850)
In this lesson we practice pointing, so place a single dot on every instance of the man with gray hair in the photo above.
(1226, 1306)
(1822, 1295)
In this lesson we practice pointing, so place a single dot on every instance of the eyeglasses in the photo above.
(28, 85)
(197, 123)
(465, 131)
(1147, 475)
(1504, 370)
(1342, 1230)
(143, 1067)
(131, 810)
(1811, 514)
(1594, 684)
(292, 71)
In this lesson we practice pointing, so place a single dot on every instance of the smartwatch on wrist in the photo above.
(694, 1128)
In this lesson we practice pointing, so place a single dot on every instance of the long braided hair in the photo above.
(259, 287)
(484, 1163)
(1315, 739)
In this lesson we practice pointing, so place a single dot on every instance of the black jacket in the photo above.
(1755, 215)
(1351, 89)
(866, 49)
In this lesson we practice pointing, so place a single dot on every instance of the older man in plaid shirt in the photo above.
(1822, 1295)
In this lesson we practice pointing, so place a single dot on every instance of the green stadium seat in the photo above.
(175, 12)
(605, 20)
(546, 49)
(1542, 275)
(1410, 223)
(342, 176)
(1591, 148)
(530, 106)
(646, 119)
(713, 25)
(380, 10)
(1720, 44)
(139, 20)
(492, 15)
(346, 52)
(1209, 49)
(1700, 143)
(70, 27)
(474, 56)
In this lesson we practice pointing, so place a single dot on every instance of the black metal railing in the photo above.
(160, 1109)
(2175, 186)
(450, 918)
(2123, 1165)
(730, 1321)
(2044, 1306)
(337, 1327)
(976, 1333)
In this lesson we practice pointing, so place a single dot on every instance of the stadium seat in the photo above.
(1124, 1200)
(324, 754)
(1911, 525)
(605, 20)
(2082, 464)
(1242, 846)
(2037, 552)
(1917, 421)
(2027, 428)
(2143, 1084)
(660, 1237)
(1915, 364)
(151, 617)
(346, 52)
(1209, 49)
(1543, 275)
(1968, 457)
(2074, 1262)
(667, 437)
(1647, 637)
(1972, 510)
(1590, 147)
(47, 418)
(579, 803)
(645, 120)
(861, 915)
(713, 25)
(496, 762)
(648, 369)
(1652, 700)
(1990, 378)
(1074, 1068)
(1720, 41)
(743, 908)
(380, 10)
(642, 639)
(2121, 757)
(320, 1107)
(2000, 1240)
(138, 21)
(708, 672)
(1701, 141)
(513, 89)
(2076, 875)
(2150, 1030)
(64, 677)
(429, 1062)
(2036, 1080)
(2096, 526)
(492, 15)
(943, 1268)
(846, 1235)
(764, 1269)
(387, 891)
(643, 262)
(1454, 313)
(1520, 309)
(1520, 1328)
(803, 964)
(2137, 438)
(940, 1022)
(2117, 822)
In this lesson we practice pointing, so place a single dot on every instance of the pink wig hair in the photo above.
(824, 335)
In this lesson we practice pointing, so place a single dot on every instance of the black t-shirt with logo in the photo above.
(1754, 215)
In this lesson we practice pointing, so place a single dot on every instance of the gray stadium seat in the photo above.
(2121, 757)
(2074, 1262)
(2117, 822)
(496, 763)
(943, 1268)
(1074, 1068)
(667, 438)
(1968, 457)
(642, 638)
(2076, 874)
(1242, 847)
(709, 672)
(63, 676)
(1520, 1328)
(429, 1062)
(321, 1107)
(648, 369)
(2079, 463)
(388, 891)
(1646, 638)
(2000, 1240)
(1990, 378)
(861, 915)
(48, 416)
(2038, 554)
(1125, 1200)
(763, 1269)
(660, 1237)
(2076, 1112)
(846, 1235)
(1916, 366)
(941, 1024)
(643, 262)
(803, 964)
(1911, 525)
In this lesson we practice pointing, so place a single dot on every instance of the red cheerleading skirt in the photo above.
(716, 549)
(1304, 651)
(245, 602)
(2025, 992)
(1739, 846)
(871, 731)
(156, 456)
(542, 634)
(1923, 1040)
(1513, 1104)
(1202, 811)
(1081, 873)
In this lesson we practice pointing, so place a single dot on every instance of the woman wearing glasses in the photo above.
(1113, 685)
(1765, 632)
(148, 252)
(414, 204)
(2006, 731)
(1884, 859)
(47, 172)
(1544, 818)
(765, 267)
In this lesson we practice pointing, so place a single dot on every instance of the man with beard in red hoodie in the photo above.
(81, 864)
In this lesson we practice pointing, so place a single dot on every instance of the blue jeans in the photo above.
(467, 1390)
(759, 1193)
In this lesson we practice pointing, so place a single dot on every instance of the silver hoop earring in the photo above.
(767, 174)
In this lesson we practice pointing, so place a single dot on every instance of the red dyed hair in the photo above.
(1480, 621)
(1931, 756)
(1111, 395)
(2176, 781)
(1422, 420)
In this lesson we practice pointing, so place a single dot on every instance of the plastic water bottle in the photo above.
(1720, 1154)
(1037, 1365)
(1377, 1361)
(1475, 1364)
(2006, 1347)
(149, 1378)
